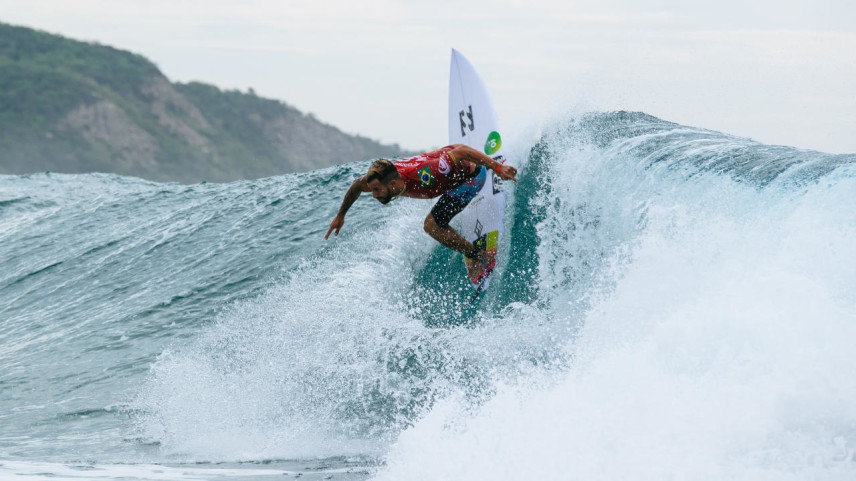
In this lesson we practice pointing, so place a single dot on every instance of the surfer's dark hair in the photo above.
(382, 170)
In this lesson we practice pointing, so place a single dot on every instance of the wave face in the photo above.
(675, 303)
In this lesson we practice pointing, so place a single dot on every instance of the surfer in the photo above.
(455, 173)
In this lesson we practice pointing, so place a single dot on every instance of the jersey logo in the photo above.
(425, 177)
(444, 167)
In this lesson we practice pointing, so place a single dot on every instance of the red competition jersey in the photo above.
(432, 173)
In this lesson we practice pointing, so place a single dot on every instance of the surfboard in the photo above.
(472, 121)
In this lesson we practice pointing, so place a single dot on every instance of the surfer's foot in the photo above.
(481, 265)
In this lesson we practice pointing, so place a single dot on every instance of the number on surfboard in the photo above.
(465, 115)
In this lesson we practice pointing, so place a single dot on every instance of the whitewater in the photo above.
(673, 303)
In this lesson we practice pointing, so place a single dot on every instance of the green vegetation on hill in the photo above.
(70, 106)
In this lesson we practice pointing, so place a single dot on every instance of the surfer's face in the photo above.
(380, 192)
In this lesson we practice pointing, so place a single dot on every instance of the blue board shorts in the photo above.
(451, 203)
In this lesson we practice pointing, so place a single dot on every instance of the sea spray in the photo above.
(674, 302)
(718, 339)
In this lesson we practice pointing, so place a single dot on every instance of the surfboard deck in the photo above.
(472, 121)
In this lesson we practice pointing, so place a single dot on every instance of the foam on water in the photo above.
(337, 357)
(717, 345)
(676, 303)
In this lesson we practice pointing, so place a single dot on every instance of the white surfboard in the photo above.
(472, 121)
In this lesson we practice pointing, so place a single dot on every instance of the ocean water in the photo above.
(675, 303)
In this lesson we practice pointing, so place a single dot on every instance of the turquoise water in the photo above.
(676, 303)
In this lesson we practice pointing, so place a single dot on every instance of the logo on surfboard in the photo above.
(497, 184)
(497, 181)
(465, 115)
(493, 143)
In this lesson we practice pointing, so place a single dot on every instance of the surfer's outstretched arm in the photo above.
(465, 152)
(357, 187)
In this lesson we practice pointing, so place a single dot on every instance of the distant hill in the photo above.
(70, 106)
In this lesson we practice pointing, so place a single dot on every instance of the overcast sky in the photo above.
(780, 72)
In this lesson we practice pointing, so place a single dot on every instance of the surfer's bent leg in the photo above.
(444, 234)
(448, 206)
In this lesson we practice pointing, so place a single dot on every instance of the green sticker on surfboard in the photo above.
(493, 143)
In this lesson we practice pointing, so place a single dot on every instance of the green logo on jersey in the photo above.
(493, 143)
(425, 177)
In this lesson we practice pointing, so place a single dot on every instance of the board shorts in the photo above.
(451, 203)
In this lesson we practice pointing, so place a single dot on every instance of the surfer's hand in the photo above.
(337, 224)
(506, 172)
